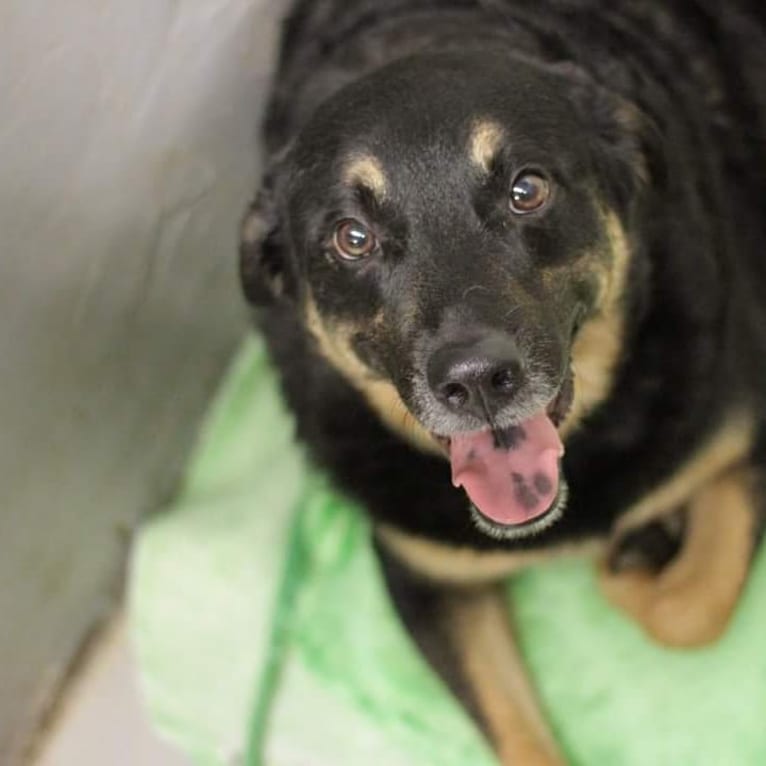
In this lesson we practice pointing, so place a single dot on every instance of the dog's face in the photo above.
(452, 229)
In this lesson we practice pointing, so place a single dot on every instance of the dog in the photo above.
(509, 259)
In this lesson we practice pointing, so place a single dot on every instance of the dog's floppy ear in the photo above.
(628, 146)
(632, 135)
(265, 265)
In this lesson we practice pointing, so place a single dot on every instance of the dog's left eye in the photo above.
(353, 240)
(529, 193)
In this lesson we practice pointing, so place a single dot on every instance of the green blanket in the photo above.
(264, 635)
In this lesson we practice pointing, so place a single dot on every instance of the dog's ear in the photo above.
(632, 147)
(628, 145)
(633, 137)
(265, 265)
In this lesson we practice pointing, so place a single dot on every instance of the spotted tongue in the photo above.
(510, 484)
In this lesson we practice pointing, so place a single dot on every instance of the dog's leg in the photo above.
(465, 633)
(689, 602)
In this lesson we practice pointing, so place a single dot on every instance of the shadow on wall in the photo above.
(128, 149)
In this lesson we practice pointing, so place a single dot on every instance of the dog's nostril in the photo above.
(455, 394)
(477, 375)
(503, 380)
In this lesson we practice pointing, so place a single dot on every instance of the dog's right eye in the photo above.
(353, 240)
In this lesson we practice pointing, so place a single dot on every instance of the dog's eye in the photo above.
(353, 240)
(529, 193)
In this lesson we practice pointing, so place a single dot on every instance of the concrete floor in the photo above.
(103, 722)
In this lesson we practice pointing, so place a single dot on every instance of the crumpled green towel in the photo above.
(264, 635)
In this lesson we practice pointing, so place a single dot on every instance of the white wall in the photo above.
(127, 153)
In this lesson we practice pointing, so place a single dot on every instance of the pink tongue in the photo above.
(510, 485)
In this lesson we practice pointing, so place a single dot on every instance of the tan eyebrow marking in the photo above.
(484, 143)
(366, 170)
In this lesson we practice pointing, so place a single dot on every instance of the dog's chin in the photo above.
(536, 526)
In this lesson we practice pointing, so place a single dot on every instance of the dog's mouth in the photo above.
(513, 475)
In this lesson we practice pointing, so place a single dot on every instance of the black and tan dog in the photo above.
(510, 260)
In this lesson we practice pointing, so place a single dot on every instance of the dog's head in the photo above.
(454, 231)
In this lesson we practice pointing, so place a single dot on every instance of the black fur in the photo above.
(692, 75)
(655, 111)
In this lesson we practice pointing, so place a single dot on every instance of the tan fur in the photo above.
(598, 345)
(366, 170)
(381, 395)
(728, 446)
(253, 228)
(465, 566)
(484, 143)
(488, 656)
(691, 601)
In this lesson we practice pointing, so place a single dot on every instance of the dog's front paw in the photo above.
(649, 548)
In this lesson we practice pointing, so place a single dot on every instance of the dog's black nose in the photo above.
(478, 376)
